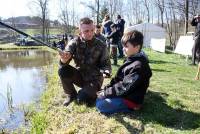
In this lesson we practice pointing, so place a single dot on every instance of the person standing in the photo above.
(196, 47)
(120, 29)
(106, 29)
(92, 62)
(114, 39)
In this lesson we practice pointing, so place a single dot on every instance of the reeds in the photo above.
(9, 98)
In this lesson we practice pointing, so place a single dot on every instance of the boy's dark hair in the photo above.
(113, 26)
(98, 26)
(134, 37)
(86, 20)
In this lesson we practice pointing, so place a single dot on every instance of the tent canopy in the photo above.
(150, 31)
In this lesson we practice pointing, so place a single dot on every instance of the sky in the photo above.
(14, 8)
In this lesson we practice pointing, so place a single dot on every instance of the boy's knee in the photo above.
(101, 105)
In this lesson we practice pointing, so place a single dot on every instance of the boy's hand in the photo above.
(101, 94)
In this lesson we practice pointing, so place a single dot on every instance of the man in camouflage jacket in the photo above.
(92, 62)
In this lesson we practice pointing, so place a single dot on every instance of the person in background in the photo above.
(127, 89)
(114, 39)
(98, 34)
(120, 29)
(54, 44)
(196, 47)
(62, 43)
(106, 29)
(92, 63)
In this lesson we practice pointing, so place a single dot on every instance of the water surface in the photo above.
(22, 80)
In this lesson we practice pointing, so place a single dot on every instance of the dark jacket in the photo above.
(101, 38)
(131, 80)
(114, 38)
(90, 57)
(197, 24)
(120, 26)
(106, 27)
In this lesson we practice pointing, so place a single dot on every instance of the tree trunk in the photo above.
(186, 17)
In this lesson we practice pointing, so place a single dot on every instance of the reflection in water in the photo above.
(24, 59)
(22, 71)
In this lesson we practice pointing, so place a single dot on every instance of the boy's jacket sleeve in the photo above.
(129, 83)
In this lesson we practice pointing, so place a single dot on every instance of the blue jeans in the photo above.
(111, 105)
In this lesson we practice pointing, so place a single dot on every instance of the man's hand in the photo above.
(65, 56)
(101, 94)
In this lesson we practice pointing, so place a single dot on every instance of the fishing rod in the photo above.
(27, 35)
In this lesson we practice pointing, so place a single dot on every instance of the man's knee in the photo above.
(65, 72)
(84, 98)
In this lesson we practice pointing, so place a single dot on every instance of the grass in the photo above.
(39, 31)
(171, 104)
(12, 47)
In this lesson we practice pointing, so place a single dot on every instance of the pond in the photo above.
(22, 80)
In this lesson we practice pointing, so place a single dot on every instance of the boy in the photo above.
(127, 89)
(114, 39)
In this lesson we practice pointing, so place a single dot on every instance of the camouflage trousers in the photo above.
(70, 76)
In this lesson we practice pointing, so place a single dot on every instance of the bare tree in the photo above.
(147, 6)
(65, 14)
(161, 6)
(104, 10)
(135, 11)
(68, 16)
(115, 8)
(74, 18)
(186, 16)
(98, 10)
(42, 6)
(95, 8)
(195, 6)
(171, 23)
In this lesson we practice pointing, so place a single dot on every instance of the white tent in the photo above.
(150, 31)
(184, 45)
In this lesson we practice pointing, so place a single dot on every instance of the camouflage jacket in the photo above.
(90, 57)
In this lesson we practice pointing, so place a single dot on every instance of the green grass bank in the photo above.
(171, 104)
